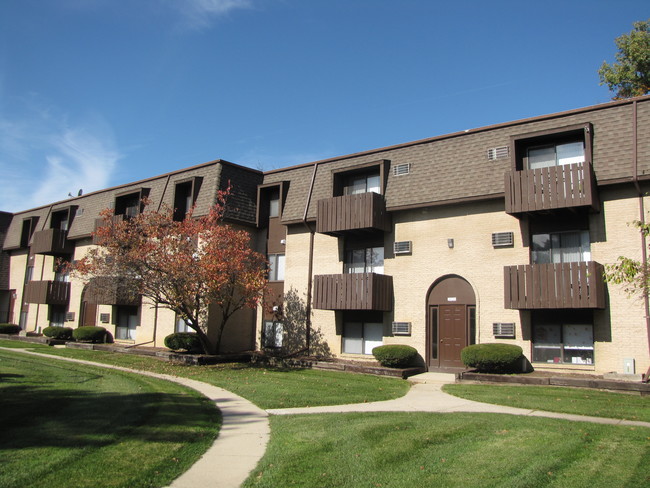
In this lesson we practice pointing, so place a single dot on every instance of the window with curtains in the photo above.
(365, 260)
(276, 267)
(362, 337)
(362, 183)
(556, 154)
(560, 247)
(273, 332)
(126, 323)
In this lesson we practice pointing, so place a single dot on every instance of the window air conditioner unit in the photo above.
(503, 239)
(401, 328)
(401, 169)
(504, 330)
(402, 247)
(69, 316)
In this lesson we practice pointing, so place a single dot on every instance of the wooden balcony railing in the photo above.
(100, 222)
(554, 285)
(354, 291)
(112, 291)
(571, 185)
(52, 242)
(48, 292)
(363, 211)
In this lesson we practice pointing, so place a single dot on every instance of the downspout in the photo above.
(310, 266)
(644, 245)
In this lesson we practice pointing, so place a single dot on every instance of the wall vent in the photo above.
(504, 329)
(503, 239)
(402, 247)
(79, 212)
(401, 328)
(104, 318)
(497, 153)
(401, 169)
(69, 316)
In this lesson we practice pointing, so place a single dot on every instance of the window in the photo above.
(276, 267)
(28, 228)
(127, 321)
(29, 273)
(57, 315)
(362, 183)
(365, 260)
(181, 326)
(274, 202)
(273, 331)
(556, 155)
(362, 337)
(60, 273)
(571, 343)
(561, 247)
(130, 204)
(60, 220)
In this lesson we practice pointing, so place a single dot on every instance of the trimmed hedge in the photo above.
(493, 358)
(188, 341)
(9, 329)
(90, 334)
(395, 355)
(63, 333)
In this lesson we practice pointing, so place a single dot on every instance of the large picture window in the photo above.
(362, 337)
(365, 260)
(127, 321)
(570, 343)
(362, 183)
(556, 155)
(561, 247)
(276, 267)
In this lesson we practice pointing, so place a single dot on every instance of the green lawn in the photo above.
(65, 424)
(266, 387)
(450, 450)
(579, 401)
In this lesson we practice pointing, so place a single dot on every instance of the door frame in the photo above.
(447, 290)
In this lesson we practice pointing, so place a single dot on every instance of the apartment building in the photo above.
(495, 234)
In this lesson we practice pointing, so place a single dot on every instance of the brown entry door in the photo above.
(88, 314)
(453, 335)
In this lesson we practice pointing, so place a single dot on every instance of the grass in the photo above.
(65, 424)
(266, 387)
(469, 450)
(579, 401)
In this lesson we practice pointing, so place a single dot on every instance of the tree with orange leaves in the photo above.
(184, 266)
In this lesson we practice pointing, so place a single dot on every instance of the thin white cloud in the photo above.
(200, 14)
(43, 160)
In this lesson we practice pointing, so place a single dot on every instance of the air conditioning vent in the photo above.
(79, 212)
(401, 328)
(104, 318)
(401, 169)
(402, 247)
(497, 153)
(503, 330)
(503, 239)
(69, 316)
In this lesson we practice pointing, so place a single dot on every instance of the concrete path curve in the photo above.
(241, 441)
(428, 397)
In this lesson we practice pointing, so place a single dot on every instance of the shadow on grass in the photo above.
(44, 417)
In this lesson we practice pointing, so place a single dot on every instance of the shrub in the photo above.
(90, 334)
(187, 341)
(63, 333)
(395, 355)
(9, 329)
(493, 358)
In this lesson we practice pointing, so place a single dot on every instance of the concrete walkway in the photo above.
(426, 396)
(241, 441)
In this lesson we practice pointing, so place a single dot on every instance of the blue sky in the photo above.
(95, 93)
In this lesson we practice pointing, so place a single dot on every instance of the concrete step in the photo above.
(433, 378)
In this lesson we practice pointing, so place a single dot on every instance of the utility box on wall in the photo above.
(628, 366)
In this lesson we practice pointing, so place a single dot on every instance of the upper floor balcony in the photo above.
(348, 213)
(554, 286)
(53, 242)
(47, 292)
(552, 187)
(353, 291)
(112, 291)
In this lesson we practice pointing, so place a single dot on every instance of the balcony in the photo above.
(354, 291)
(565, 186)
(112, 291)
(53, 242)
(360, 212)
(47, 292)
(100, 222)
(554, 285)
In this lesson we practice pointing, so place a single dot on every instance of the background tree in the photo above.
(183, 266)
(629, 76)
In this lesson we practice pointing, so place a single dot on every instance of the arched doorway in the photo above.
(88, 311)
(451, 321)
